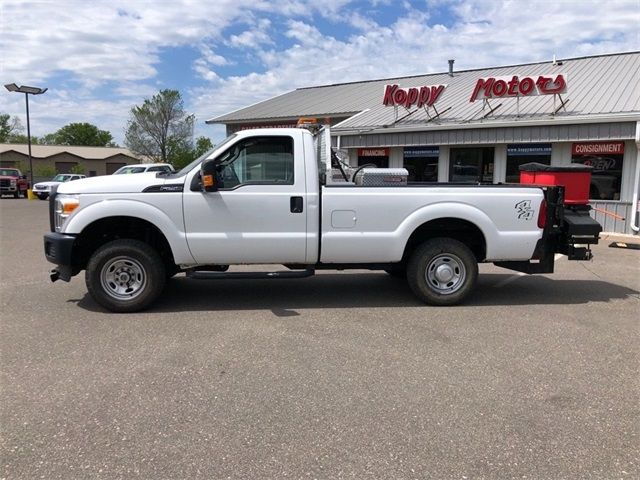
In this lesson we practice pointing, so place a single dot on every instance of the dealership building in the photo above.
(480, 125)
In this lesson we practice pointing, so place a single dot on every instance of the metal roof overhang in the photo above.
(593, 127)
(222, 121)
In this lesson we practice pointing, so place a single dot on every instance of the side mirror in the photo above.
(23, 177)
(210, 176)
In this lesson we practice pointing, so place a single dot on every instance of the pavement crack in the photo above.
(591, 271)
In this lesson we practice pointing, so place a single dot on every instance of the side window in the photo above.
(260, 160)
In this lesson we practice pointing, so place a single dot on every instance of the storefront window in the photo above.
(519, 154)
(421, 163)
(376, 156)
(606, 159)
(471, 165)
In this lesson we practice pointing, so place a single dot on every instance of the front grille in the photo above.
(5, 182)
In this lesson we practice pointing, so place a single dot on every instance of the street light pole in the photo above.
(26, 98)
(12, 87)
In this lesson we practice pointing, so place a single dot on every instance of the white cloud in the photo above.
(255, 37)
(117, 45)
(485, 33)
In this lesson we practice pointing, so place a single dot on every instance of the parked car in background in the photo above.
(13, 182)
(43, 189)
(145, 167)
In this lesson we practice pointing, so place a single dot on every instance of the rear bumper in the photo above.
(569, 230)
(58, 249)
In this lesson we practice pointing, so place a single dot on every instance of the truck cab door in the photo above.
(258, 214)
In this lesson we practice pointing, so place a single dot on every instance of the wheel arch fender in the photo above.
(174, 235)
(448, 211)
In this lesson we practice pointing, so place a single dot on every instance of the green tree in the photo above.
(9, 127)
(203, 145)
(160, 128)
(82, 133)
(181, 154)
(78, 169)
(48, 139)
(46, 171)
(21, 138)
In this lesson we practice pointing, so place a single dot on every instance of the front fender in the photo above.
(172, 230)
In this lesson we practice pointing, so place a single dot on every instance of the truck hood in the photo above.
(46, 184)
(133, 183)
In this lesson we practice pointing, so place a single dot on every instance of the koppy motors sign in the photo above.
(515, 86)
(394, 96)
(485, 88)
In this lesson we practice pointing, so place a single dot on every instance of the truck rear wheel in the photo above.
(442, 271)
(125, 275)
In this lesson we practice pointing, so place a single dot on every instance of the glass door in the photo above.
(471, 165)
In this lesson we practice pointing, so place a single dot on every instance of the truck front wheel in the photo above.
(125, 275)
(442, 271)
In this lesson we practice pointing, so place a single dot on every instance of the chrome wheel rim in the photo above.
(123, 278)
(445, 274)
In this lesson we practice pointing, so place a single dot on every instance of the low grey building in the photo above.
(480, 125)
(54, 159)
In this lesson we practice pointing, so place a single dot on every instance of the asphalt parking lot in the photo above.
(339, 375)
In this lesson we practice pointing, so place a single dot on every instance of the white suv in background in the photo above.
(43, 189)
(144, 167)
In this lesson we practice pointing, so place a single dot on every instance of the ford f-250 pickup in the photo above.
(260, 197)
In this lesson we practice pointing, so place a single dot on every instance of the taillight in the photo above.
(542, 214)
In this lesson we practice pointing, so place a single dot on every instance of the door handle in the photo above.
(296, 204)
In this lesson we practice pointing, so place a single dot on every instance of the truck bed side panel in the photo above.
(361, 224)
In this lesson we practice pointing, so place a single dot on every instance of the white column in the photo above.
(443, 164)
(396, 157)
(561, 153)
(500, 163)
(633, 222)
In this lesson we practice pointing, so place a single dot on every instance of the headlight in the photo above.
(13, 182)
(65, 205)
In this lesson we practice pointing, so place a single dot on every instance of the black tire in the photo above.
(43, 196)
(125, 275)
(16, 194)
(442, 271)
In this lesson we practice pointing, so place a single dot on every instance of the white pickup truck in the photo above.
(260, 198)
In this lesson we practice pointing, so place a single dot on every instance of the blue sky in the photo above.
(100, 58)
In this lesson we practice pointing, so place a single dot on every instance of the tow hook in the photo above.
(54, 275)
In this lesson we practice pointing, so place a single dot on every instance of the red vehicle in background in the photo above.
(13, 182)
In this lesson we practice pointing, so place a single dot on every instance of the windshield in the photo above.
(190, 167)
(9, 172)
(61, 178)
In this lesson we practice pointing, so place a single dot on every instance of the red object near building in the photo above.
(13, 182)
(575, 179)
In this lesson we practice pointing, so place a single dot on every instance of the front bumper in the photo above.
(58, 249)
